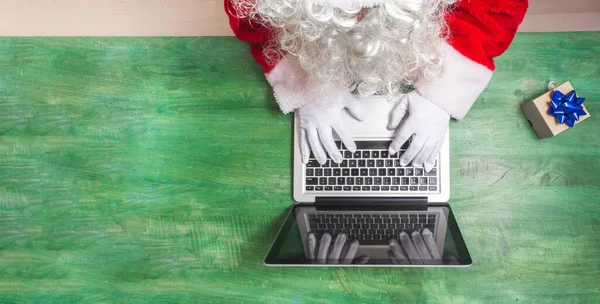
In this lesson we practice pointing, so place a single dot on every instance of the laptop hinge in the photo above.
(412, 203)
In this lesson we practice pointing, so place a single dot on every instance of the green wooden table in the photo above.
(159, 170)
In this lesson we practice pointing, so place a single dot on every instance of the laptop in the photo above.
(368, 210)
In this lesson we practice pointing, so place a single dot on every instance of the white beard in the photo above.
(395, 44)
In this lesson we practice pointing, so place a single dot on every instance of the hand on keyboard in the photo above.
(418, 248)
(425, 121)
(319, 119)
(340, 252)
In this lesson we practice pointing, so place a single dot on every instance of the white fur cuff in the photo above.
(289, 82)
(461, 83)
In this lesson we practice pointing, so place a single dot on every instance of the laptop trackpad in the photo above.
(377, 112)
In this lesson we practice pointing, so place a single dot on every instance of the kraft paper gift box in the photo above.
(555, 111)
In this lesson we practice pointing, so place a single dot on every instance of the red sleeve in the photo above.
(249, 31)
(484, 29)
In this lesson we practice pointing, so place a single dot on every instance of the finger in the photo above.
(349, 252)
(354, 108)
(409, 248)
(304, 148)
(424, 153)
(431, 245)
(361, 260)
(430, 161)
(420, 245)
(329, 144)
(415, 146)
(334, 256)
(324, 248)
(398, 113)
(393, 258)
(345, 136)
(312, 246)
(399, 141)
(397, 250)
(316, 146)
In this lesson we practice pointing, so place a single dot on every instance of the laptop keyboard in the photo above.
(369, 227)
(369, 169)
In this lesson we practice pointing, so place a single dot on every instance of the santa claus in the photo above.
(318, 55)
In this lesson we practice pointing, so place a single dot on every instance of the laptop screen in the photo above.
(354, 236)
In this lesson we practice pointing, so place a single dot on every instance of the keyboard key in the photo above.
(318, 172)
(347, 154)
(337, 188)
(318, 188)
(380, 163)
(419, 171)
(328, 188)
(414, 180)
(312, 181)
(423, 180)
(385, 188)
(371, 163)
(327, 172)
(375, 154)
(354, 172)
(350, 181)
(384, 154)
(356, 188)
(430, 220)
(310, 188)
(372, 172)
(337, 172)
(333, 164)
(313, 163)
(352, 163)
(322, 181)
(345, 172)
(359, 181)
(378, 181)
(410, 172)
(403, 188)
(399, 172)
(347, 188)
(422, 188)
(395, 188)
(366, 188)
(391, 172)
(344, 164)
(356, 155)
(397, 163)
(387, 181)
(433, 181)
(341, 181)
(433, 188)
(382, 172)
(433, 172)
(364, 172)
(405, 181)
(331, 181)
(396, 181)
(362, 163)
(414, 188)
(310, 172)
(368, 181)
(366, 154)
(375, 188)
(389, 162)
(326, 164)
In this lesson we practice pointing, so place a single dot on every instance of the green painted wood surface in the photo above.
(159, 170)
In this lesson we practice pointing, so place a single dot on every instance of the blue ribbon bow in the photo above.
(566, 108)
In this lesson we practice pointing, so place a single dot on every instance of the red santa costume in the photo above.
(315, 52)
(478, 31)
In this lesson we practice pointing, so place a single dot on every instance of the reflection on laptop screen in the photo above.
(343, 236)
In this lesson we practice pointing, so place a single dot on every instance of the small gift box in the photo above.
(556, 111)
